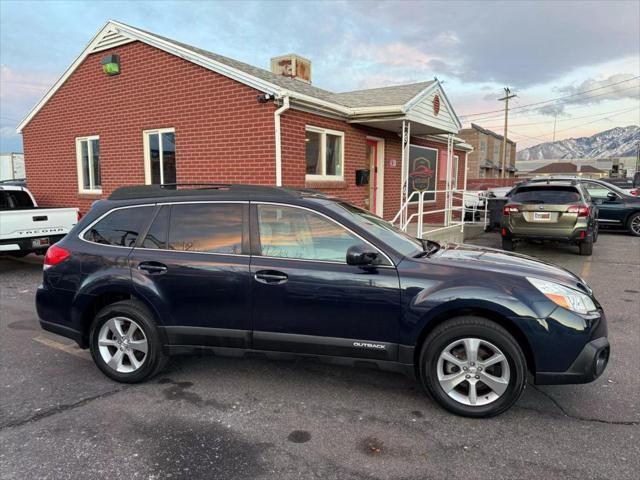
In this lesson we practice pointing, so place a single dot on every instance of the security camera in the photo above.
(264, 98)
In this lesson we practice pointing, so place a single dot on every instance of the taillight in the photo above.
(55, 255)
(635, 193)
(581, 210)
(509, 209)
(78, 216)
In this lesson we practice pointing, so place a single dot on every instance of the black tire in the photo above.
(595, 233)
(507, 244)
(586, 247)
(632, 224)
(155, 359)
(472, 327)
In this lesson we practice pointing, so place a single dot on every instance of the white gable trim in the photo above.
(425, 93)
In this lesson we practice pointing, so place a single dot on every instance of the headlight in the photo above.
(565, 297)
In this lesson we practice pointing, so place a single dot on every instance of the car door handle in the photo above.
(152, 268)
(271, 277)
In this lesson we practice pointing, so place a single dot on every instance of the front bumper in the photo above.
(588, 366)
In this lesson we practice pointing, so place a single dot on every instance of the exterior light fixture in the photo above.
(111, 64)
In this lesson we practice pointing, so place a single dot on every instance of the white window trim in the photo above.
(147, 153)
(323, 158)
(91, 188)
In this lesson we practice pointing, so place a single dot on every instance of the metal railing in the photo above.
(456, 205)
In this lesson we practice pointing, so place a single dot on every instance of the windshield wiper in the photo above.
(429, 247)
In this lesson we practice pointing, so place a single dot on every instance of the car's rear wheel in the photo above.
(586, 246)
(634, 224)
(472, 367)
(125, 343)
(595, 233)
(507, 244)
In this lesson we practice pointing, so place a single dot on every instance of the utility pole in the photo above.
(555, 119)
(505, 99)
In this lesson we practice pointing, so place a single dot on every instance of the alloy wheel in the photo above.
(635, 225)
(122, 344)
(473, 371)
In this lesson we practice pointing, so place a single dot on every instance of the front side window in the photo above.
(120, 227)
(206, 228)
(324, 153)
(160, 156)
(597, 191)
(88, 159)
(289, 232)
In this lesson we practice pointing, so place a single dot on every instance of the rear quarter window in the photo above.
(120, 227)
(549, 195)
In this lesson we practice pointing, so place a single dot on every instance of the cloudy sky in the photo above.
(586, 54)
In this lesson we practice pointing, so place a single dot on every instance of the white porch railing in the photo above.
(459, 204)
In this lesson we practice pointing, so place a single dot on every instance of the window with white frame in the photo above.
(454, 180)
(324, 154)
(160, 156)
(88, 160)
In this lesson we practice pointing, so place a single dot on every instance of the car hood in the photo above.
(499, 261)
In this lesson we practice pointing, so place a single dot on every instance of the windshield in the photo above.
(385, 231)
(550, 195)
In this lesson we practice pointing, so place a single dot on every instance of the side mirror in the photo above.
(612, 197)
(361, 255)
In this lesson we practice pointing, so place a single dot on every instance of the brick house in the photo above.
(136, 107)
(486, 159)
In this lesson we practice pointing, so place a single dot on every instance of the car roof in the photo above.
(551, 183)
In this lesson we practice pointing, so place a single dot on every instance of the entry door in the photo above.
(306, 299)
(191, 266)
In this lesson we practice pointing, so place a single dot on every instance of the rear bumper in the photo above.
(588, 366)
(573, 236)
(23, 245)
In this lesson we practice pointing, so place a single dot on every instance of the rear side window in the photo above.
(15, 199)
(549, 195)
(206, 228)
(120, 227)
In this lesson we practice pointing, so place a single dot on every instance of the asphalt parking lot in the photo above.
(207, 417)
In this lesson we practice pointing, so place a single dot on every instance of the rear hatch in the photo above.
(545, 210)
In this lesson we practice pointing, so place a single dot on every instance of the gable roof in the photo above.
(590, 169)
(386, 100)
(557, 167)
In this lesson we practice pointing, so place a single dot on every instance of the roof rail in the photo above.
(176, 189)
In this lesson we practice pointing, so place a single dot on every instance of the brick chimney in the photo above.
(292, 66)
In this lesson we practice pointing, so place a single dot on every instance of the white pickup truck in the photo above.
(27, 228)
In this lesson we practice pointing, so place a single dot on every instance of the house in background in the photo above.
(568, 168)
(138, 108)
(11, 166)
(486, 159)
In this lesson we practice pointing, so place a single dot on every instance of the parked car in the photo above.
(616, 208)
(624, 184)
(27, 228)
(241, 269)
(550, 211)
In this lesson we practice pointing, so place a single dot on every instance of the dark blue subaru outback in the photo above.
(226, 269)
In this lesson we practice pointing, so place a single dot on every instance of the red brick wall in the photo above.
(222, 133)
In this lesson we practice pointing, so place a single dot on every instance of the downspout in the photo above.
(278, 131)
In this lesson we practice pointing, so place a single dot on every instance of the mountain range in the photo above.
(617, 142)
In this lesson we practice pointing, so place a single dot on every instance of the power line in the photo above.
(554, 99)
(536, 112)
(544, 122)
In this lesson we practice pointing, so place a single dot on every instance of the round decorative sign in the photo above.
(436, 104)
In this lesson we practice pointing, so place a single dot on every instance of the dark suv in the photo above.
(238, 269)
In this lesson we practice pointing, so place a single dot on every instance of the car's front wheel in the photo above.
(125, 343)
(472, 367)
(634, 224)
